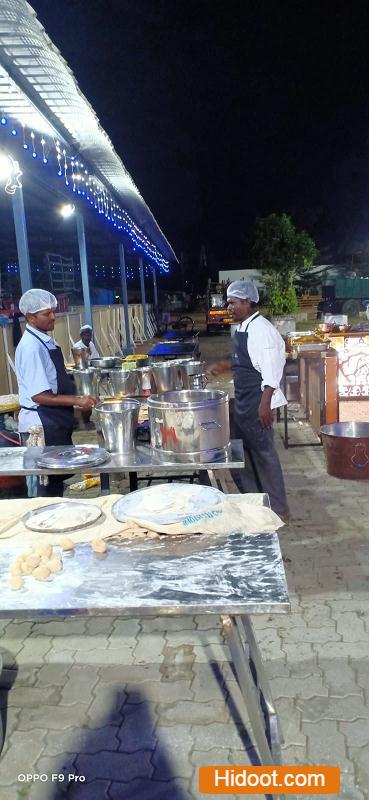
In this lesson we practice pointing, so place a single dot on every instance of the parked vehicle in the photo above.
(344, 296)
(217, 316)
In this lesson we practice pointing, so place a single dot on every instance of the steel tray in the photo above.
(72, 456)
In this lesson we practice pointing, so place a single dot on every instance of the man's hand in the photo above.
(265, 414)
(86, 403)
(217, 368)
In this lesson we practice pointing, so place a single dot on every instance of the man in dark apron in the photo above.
(46, 391)
(257, 362)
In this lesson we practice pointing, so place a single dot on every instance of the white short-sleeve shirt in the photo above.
(35, 373)
(267, 352)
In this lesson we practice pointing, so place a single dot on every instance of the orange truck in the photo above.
(218, 317)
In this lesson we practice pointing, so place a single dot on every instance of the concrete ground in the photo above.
(135, 706)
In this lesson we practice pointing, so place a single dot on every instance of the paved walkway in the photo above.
(134, 707)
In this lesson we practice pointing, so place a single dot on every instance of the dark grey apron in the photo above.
(247, 379)
(57, 421)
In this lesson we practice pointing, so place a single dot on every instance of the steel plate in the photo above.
(197, 497)
(30, 519)
(70, 457)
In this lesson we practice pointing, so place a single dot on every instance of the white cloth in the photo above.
(94, 353)
(267, 353)
(35, 373)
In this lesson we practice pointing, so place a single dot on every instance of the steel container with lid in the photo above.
(117, 421)
(190, 425)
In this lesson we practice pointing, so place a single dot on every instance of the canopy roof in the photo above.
(39, 92)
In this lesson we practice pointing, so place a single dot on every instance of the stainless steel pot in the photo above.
(124, 382)
(117, 421)
(81, 357)
(166, 376)
(86, 381)
(106, 362)
(190, 425)
(192, 374)
(130, 383)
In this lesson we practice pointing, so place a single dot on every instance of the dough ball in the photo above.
(66, 543)
(99, 546)
(55, 565)
(16, 583)
(44, 550)
(33, 560)
(26, 568)
(15, 569)
(41, 573)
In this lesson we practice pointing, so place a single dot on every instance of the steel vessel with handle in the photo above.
(190, 425)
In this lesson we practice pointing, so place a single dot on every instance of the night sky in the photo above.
(225, 111)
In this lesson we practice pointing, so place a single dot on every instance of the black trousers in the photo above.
(262, 471)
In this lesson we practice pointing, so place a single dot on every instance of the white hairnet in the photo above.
(85, 328)
(245, 290)
(36, 300)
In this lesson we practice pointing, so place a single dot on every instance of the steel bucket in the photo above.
(125, 383)
(81, 357)
(86, 381)
(166, 376)
(346, 449)
(192, 374)
(117, 421)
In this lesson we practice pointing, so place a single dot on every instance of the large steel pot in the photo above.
(190, 425)
(86, 381)
(117, 420)
(346, 449)
(166, 376)
(106, 362)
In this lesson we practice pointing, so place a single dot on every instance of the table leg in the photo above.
(133, 483)
(104, 483)
(219, 480)
(1, 718)
(255, 689)
(262, 682)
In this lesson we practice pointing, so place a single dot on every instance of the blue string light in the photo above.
(101, 201)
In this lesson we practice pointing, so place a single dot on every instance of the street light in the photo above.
(67, 210)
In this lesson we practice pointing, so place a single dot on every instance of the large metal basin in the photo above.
(346, 448)
(126, 383)
(190, 424)
(117, 421)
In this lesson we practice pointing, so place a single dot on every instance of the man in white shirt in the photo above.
(86, 341)
(46, 392)
(257, 362)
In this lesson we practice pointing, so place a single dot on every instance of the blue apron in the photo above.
(57, 421)
(247, 380)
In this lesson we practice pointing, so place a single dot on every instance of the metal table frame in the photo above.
(237, 626)
(141, 461)
(233, 605)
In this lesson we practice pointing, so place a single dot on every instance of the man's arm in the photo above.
(219, 367)
(265, 414)
(50, 399)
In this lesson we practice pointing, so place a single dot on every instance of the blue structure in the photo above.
(50, 125)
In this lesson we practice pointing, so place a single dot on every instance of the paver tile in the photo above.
(119, 766)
